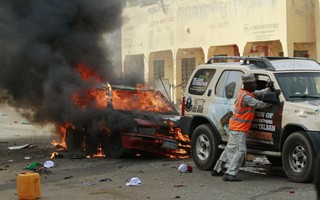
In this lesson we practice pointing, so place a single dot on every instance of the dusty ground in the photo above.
(105, 178)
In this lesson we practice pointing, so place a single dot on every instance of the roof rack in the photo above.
(261, 62)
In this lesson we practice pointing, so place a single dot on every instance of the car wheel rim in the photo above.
(298, 158)
(203, 147)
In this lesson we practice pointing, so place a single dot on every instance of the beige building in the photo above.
(167, 39)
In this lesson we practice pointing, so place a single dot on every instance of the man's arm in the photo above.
(253, 102)
(259, 93)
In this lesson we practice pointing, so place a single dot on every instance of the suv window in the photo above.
(299, 85)
(229, 84)
(200, 81)
(261, 81)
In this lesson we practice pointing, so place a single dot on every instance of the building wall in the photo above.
(204, 28)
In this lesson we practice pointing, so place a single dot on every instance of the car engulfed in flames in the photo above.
(147, 123)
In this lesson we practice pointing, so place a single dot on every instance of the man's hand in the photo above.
(277, 91)
(270, 85)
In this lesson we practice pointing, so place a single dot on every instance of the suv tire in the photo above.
(205, 151)
(298, 158)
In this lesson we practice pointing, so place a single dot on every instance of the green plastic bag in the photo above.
(34, 165)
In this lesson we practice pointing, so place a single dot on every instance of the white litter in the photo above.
(48, 164)
(19, 147)
(135, 181)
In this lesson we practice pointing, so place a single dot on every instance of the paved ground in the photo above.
(105, 178)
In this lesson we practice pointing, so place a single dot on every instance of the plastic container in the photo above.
(28, 185)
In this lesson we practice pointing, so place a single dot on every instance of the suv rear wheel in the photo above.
(298, 158)
(204, 145)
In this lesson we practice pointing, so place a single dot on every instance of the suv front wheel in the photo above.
(204, 145)
(298, 158)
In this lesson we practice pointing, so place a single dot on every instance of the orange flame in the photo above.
(136, 100)
(54, 154)
(96, 97)
(62, 130)
(99, 153)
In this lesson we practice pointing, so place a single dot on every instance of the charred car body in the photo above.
(132, 121)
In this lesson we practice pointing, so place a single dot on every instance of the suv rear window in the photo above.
(200, 81)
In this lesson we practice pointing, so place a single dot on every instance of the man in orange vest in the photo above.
(239, 124)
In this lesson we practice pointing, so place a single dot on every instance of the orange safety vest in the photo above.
(242, 117)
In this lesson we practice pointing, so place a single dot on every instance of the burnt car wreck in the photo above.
(133, 121)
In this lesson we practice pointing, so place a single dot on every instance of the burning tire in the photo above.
(113, 146)
(298, 158)
(74, 140)
(204, 146)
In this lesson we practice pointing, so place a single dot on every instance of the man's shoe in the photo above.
(215, 173)
(228, 177)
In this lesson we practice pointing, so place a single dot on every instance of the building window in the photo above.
(220, 60)
(188, 65)
(158, 69)
(303, 53)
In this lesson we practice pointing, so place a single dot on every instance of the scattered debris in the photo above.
(34, 165)
(68, 177)
(183, 168)
(42, 170)
(32, 145)
(105, 180)
(135, 181)
(39, 168)
(86, 183)
(19, 147)
(179, 185)
(48, 164)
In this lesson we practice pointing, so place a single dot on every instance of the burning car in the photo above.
(132, 120)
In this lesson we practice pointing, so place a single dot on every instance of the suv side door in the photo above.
(266, 126)
(226, 91)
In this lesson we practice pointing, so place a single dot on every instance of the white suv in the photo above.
(288, 133)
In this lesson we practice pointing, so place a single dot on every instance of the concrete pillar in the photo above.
(206, 53)
(290, 48)
(241, 47)
(174, 68)
(146, 67)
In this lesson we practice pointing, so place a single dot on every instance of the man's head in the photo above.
(249, 82)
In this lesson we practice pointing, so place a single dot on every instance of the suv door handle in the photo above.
(209, 93)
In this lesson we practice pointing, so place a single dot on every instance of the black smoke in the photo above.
(43, 41)
(41, 44)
